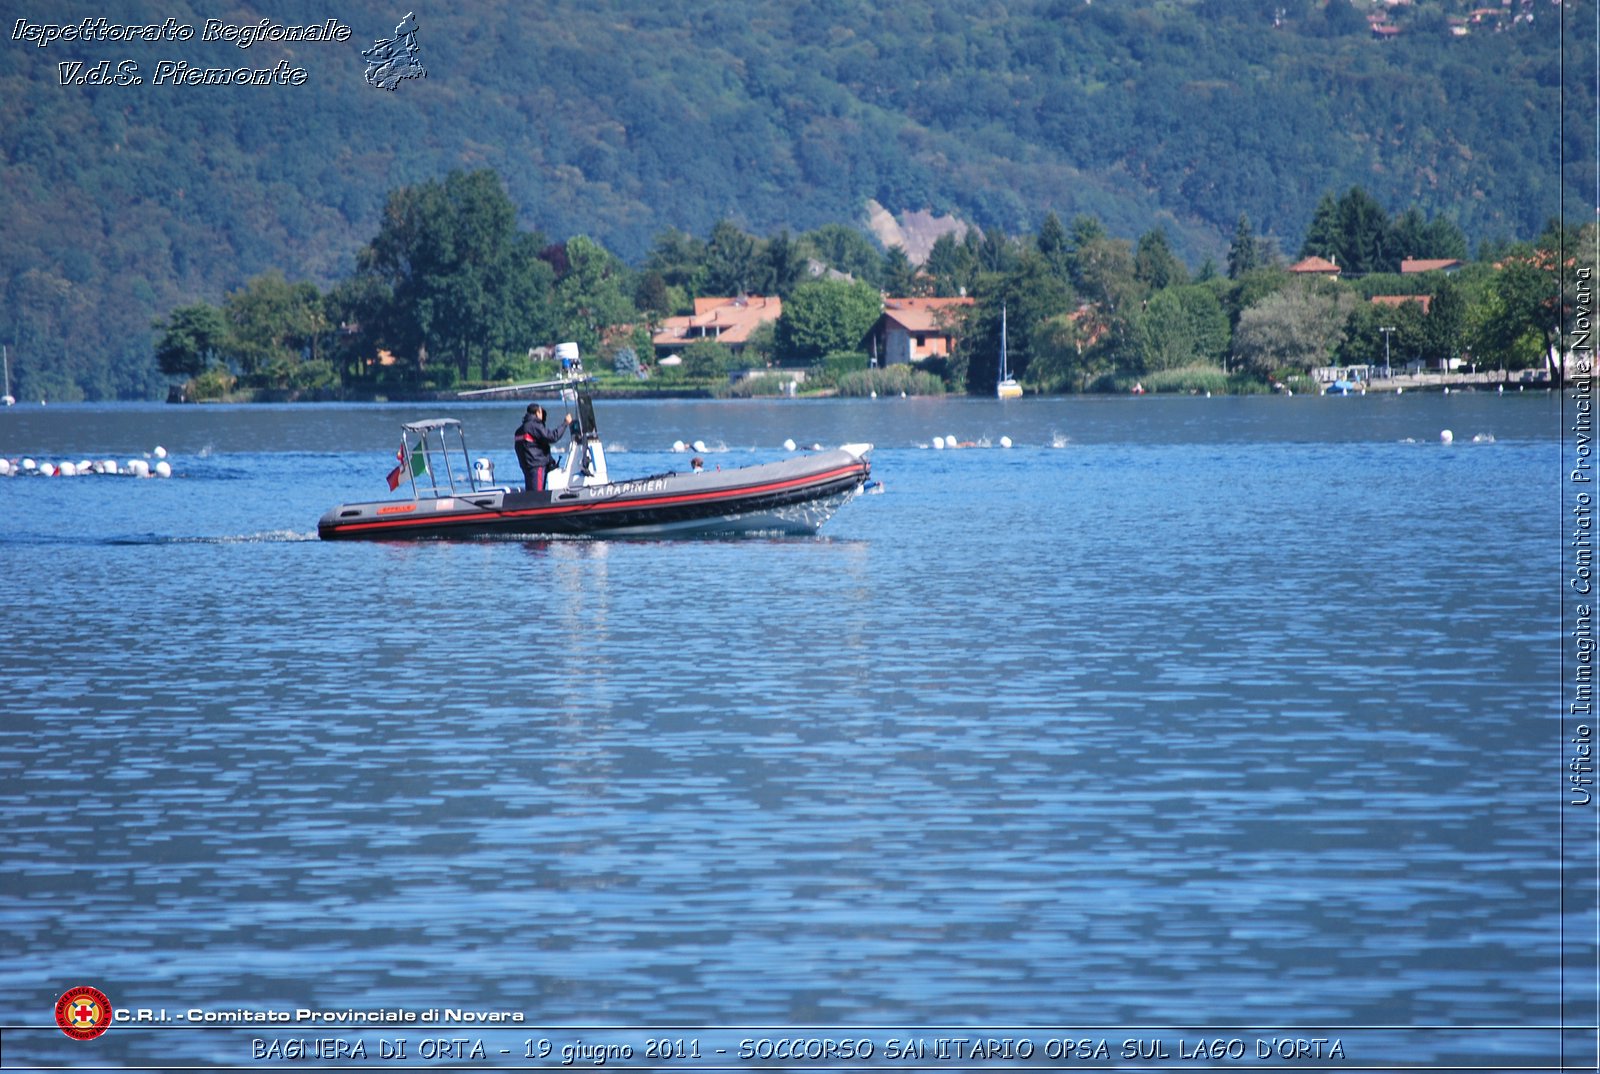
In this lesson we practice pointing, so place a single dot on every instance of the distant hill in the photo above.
(618, 120)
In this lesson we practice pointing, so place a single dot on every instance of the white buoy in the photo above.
(69, 470)
(951, 441)
(699, 446)
(1399, 391)
(28, 465)
(1446, 436)
(679, 445)
(1005, 441)
(874, 394)
(163, 468)
(5, 467)
(160, 452)
(109, 466)
(938, 443)
(47, 470)
(138, 468)
(788, 445)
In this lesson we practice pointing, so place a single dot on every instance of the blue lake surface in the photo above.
(1179, 712)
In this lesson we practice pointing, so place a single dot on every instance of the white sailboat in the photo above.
(1007, 386)
(8, 399)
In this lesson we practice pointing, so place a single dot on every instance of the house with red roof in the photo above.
(728, 321)
(1316, 266)
(912, 330)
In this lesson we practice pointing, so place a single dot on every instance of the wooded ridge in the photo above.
(619, 121)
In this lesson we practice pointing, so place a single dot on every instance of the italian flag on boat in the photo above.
(409, 459)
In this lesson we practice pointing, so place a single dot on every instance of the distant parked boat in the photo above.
(1007, 387)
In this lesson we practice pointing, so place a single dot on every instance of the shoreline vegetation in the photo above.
(1194, 383)
(448, 294)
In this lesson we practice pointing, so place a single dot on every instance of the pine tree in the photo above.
(1244, 254)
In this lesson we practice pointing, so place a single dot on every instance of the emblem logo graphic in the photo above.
(83, 1013)
(393, 59)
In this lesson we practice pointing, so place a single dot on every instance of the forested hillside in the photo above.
(620, 120)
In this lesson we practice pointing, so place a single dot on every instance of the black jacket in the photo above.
(534, 439)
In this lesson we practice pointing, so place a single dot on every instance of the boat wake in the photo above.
(267, 537)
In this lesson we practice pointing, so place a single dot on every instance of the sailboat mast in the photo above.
(1003, 371)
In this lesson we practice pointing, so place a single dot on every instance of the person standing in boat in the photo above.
(533, 443)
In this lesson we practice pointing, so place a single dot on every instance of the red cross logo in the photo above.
(83, 1013)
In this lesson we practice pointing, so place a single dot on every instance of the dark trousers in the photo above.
(533, 468)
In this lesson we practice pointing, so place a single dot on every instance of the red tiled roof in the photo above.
(922, 314)
(1425, 301)
(727, 320)
(1423, 264)
(1315, 264)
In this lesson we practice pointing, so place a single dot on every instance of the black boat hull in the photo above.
(793, 496)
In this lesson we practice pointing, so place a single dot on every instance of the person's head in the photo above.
(697, 462)
(537, 411)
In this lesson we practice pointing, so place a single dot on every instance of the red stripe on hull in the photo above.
(602, 506)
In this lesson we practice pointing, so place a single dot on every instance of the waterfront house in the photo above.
(912, 330)
(728, 321)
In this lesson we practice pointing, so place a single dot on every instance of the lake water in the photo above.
(1220, 717)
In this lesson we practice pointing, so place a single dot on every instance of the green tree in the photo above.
(1055, 246)
(1062, 359)
(783, 265)
(706, 359)
(356, 308)
(1154, 263)
(1526, 313)
(679, 259)
(846, 250)
(449, 253)
(824, 316)
(1106, 279)
(592, 296)
(996, 252)
(1298, 327)
(1353, 231)
(272, 325)
(1181, 326)
(1444, 328)
(951, 267)
(651, 295)
(192, 338)
(733, 267)
(899, 274)
(1244, 253)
